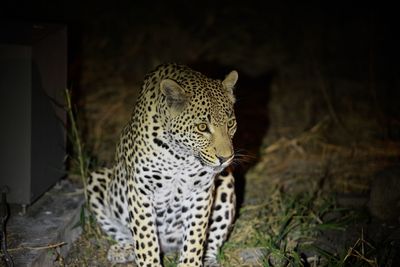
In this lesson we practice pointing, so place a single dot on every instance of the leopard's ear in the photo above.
(175, 96)
(229, 83)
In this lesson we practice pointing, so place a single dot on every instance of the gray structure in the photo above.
(33, 77)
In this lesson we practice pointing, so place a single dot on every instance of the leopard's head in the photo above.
(201, 118)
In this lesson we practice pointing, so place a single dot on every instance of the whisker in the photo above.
(242, 157)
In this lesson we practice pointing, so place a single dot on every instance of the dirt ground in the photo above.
(318, 119)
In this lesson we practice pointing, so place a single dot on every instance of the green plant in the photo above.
(171, 260)
(80, 158)
(79, 155)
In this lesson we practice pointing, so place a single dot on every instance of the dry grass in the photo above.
(286, 197)
(323, 135)
(350, 167)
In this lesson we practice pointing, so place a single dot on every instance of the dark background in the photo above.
(356, 40)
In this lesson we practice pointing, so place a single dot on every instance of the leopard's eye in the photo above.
(202, 127)
(231, 123)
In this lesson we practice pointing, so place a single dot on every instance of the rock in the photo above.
(384, 202)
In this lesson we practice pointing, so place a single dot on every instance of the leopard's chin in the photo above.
(216, 168)
(219, 169)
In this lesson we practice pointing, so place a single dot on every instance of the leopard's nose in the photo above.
(225, 160)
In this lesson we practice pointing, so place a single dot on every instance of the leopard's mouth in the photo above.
(216, 166)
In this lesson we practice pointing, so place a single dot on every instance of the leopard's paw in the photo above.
(211, 263)
(121, 253)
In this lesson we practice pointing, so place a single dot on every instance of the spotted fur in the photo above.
(170, 188)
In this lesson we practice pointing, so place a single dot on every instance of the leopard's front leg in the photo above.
(222, 216)
(196, 222)
(143, 227)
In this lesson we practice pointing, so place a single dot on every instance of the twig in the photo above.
(56, 245)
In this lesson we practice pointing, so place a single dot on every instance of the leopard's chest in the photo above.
(174, 203)
(170, 215)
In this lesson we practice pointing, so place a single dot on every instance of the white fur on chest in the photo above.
(175, 201)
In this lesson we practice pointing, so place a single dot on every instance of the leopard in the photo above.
(171, 187)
